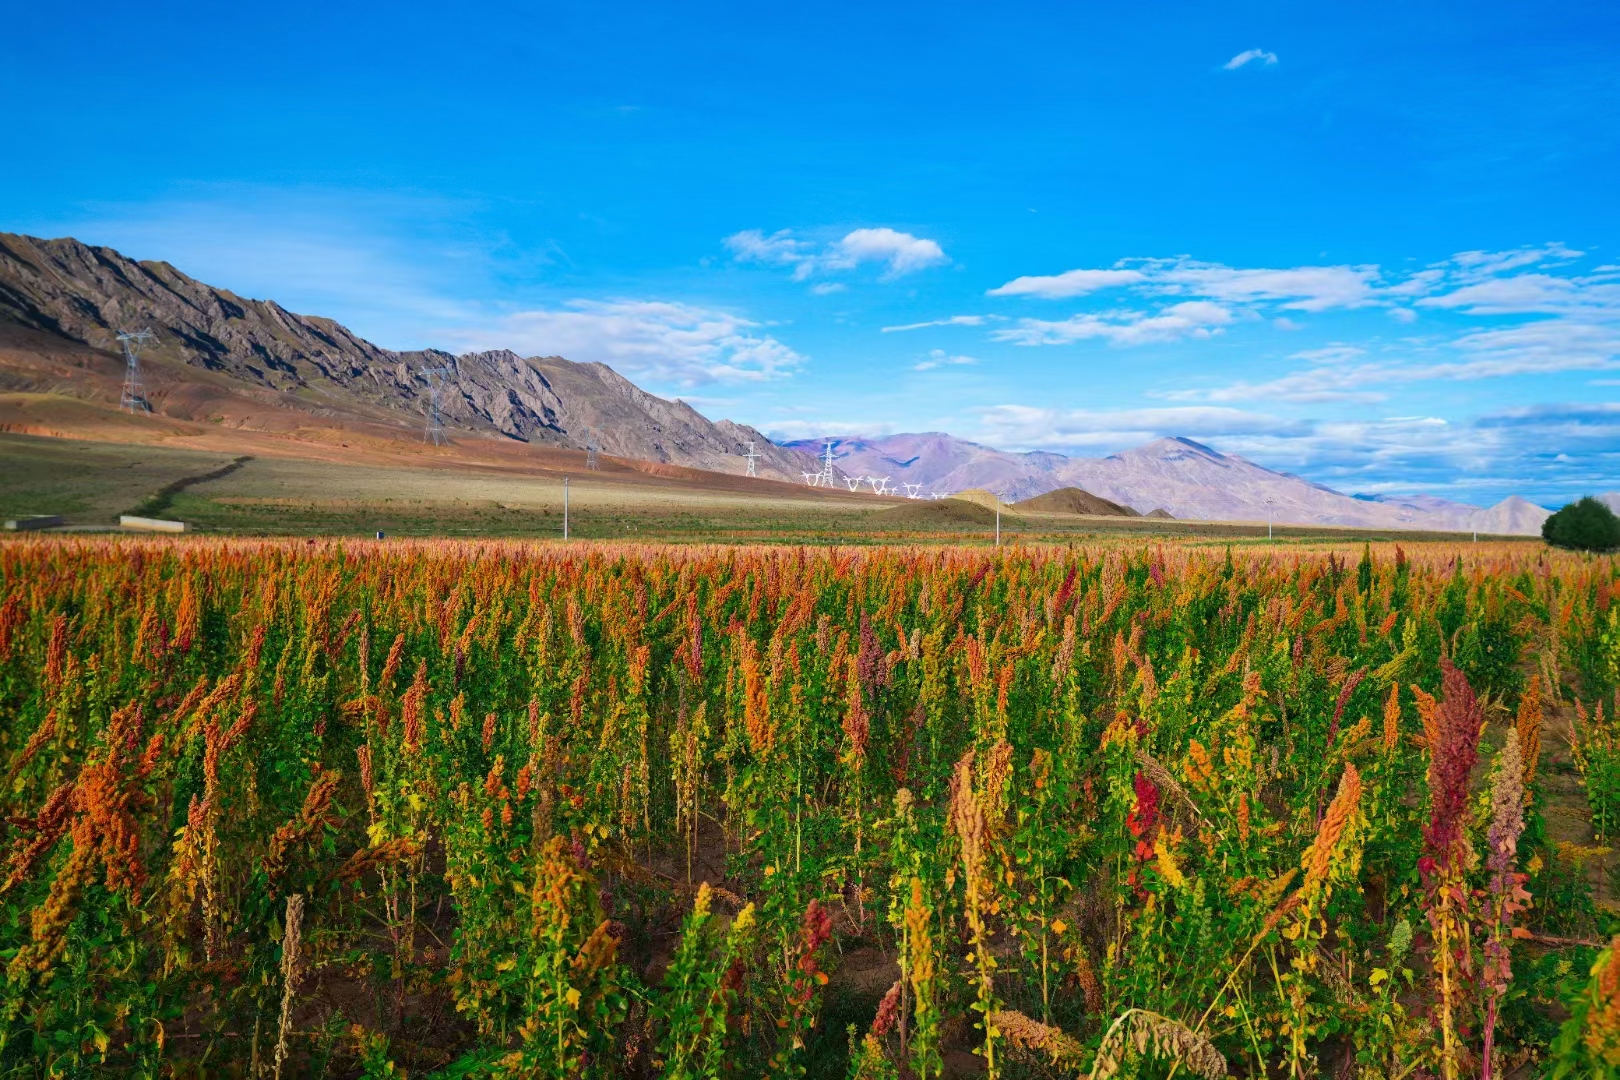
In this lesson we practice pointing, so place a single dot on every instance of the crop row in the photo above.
(301, 809)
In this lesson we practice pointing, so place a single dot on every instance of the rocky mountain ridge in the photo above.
(1185, 478)
(87, 294)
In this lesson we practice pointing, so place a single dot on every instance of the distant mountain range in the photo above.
(73, 292)
(58, 296)
(1185, 478)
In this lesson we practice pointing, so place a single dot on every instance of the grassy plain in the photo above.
(426, 494)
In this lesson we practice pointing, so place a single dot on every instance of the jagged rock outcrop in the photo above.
(88, 294)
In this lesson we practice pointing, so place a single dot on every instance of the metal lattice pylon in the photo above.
(752, 456)
(592, 451)
(824, 478)
(435, 426)
(133, 399)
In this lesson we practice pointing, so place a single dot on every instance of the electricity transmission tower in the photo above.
(133, 398)
(591, 452)
(435, 427)
(913, 491)
(854, 482)
(880, 484)
(824, 478)
(752, 456)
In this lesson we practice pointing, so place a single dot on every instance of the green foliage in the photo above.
(1584, 525)
(1588, 1043)
(630, 811)
(701, 991)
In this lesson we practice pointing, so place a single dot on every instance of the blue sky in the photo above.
(1375, 244)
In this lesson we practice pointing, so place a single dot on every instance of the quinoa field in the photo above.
(493, 808)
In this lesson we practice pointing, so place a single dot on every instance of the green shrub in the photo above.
(1586, 525)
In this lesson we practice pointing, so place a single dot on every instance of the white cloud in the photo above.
(1190, 319)
(827, 288)
(1314, 386)
(1300, 288)
(1480, 264)
(900, 253)
(1248, 56)
(940, 358)
(647, 339)
(1029, 427)
(1068, 283)
(1544, 347)
(778, 249)
(782, 431)
(954, 320)
(1330, 354)
(1533, 294)
(1539, 348)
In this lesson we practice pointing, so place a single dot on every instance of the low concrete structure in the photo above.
(37, 521)
(130, 521)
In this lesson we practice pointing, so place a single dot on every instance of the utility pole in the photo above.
(565, 508)
(1269, 515)
(998, 520)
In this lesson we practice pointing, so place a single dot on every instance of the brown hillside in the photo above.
(1073, 500)
(943, 515)
(63, 301)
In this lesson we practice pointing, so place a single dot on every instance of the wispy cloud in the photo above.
(1300, 288)
(940, 358)
(899, 253)
(954, 320)
(1027, 427)
(1546, 347)
(1189, 319)
(782, 431)
(1250, 56)
(1067, 284)
(648, 339)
